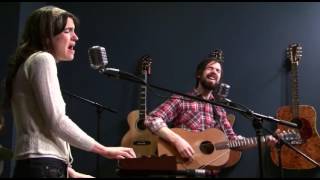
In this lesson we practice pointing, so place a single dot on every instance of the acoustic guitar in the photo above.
(212, 148)
(304, 115)
(139, 137)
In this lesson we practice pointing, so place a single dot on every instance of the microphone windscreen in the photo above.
(97, 57)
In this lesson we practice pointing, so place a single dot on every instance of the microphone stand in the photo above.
(256, 117)
(99, 109)
(278, 147)
(257, 124)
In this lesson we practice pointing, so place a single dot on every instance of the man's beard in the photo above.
(207, 85)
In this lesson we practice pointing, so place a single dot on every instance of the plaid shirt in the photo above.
(189, 114)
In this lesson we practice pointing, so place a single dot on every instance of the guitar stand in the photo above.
(278, 147)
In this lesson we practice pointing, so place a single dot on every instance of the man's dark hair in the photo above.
(215, 55)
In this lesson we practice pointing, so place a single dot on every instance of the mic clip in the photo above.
(112, 72)
(223, 101)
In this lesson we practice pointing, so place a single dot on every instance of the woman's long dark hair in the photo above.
(41, 26)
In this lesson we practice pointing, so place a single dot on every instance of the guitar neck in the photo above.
(294, 90)
(143, 101)
(241, 143)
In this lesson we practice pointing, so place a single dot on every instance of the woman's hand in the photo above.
(119, 153)
(114, 152)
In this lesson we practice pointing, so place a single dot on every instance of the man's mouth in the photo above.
(212, 78)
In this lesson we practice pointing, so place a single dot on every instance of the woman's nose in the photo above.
(75, 37)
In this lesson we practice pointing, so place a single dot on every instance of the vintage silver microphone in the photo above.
(223, 92)
(98, 57)
(98, 60)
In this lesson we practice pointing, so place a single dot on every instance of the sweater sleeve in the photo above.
(42, 74)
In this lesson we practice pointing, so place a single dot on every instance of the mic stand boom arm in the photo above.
(89, 101)
(116, 73)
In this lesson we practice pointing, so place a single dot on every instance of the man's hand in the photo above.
(183, 147)
(271, 141)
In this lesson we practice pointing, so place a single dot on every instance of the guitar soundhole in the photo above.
(141, 125)
(305, 128)
(206, 147)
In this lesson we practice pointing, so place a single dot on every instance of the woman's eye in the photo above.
(67, 30)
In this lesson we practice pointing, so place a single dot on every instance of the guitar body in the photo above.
(143, 142)
(205, 157)
(311, 141)
(234, 158)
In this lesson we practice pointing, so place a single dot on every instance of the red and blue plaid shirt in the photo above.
(189, 114)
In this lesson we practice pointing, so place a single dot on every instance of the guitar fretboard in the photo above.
(294, 89)
(291, 136)
(294, 54)
(246, 142)
(142, 104)
(253, 141)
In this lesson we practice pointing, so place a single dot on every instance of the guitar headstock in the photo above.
(145, 65)
(217, 55)
(294, 53)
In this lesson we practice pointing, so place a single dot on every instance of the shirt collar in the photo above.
(196, 93)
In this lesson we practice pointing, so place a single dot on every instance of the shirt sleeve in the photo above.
(163, 114)
(226, 124)
(44, 80)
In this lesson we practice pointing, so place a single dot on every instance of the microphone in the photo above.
(98, 60)
(223, 92)
(97, 57)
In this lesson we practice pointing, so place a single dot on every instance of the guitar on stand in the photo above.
(304, 116)
(143, 142)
